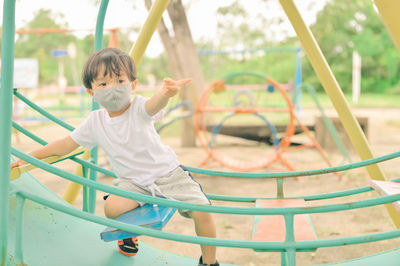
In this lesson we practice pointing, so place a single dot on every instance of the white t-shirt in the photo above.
(132, 144)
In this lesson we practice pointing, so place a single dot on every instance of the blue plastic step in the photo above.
(149, 216)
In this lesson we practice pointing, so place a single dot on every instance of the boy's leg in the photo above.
(205, 226)
(116, 205)
(181, 186)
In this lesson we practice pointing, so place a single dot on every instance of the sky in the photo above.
(81, 14)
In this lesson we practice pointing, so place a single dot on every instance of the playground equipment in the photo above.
(170, 117)
(290, 230)
(53, 226)
(295, 89)
(289, 214)
(260, 109)
(327, 122)
(296, 79)
(149, 216)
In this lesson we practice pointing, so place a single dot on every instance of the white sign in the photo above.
(26, 73)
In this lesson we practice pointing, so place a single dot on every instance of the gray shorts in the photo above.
(177, 185)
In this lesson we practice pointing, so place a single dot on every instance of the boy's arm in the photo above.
(159, 100)
(59, 147)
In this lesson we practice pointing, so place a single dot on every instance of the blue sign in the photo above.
(59, 53)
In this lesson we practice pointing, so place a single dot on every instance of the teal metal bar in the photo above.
(328, 123)
(289, 239)
(42, 111)
(279, 189)
(28, 133)
(19, 257)
(296, 99)
(203, 208)
(283, 259)
(289, 225)
(98, 38)
(85, 189)
(298, 72)
(331, 195)
(296, 173)
(343, 193)
(98, 44)
(273, 245)
(291, 255)
(266, 50)
(244, 73)
(6, 95)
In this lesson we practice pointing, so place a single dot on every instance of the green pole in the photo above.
(6, 94)
(98, 38)
(98, 44)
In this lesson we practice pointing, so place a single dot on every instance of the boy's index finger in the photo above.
(183, 81)
(168, 80)
(171, 82)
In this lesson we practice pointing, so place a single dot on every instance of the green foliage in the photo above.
(278, 65)
(40, 46)
(240, 31)
(346, 26)
(153, 70)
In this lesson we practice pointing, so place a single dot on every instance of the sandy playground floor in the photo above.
(384, 138)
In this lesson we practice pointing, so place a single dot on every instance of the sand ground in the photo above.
(384, 138)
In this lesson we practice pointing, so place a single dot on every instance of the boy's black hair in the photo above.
(114, 61)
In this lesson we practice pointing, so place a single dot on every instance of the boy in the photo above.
(125, 131)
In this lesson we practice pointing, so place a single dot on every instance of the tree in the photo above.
(183, 60)
(40, 46)
(344, 26)
(238, 29)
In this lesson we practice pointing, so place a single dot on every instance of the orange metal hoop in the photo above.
(225, 160)
(265, 161)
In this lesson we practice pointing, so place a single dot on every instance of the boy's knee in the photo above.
(116, 206)
(111, 212)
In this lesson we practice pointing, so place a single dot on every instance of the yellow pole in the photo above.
(335, 93)
(149, 27)
(389, 10)
(72, 191)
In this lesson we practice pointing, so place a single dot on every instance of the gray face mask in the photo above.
(114, 98)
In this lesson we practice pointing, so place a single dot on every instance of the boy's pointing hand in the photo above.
(171, 87)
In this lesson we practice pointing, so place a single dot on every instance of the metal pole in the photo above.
(6, 96)
(334, 92)
(298, 77)
(331, 86)
(149, 27)
(19, 228)
(389, 10)
(72, 191)
(74, 188)
(98, 44)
